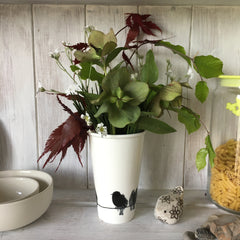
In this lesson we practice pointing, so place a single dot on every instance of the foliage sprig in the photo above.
(120, 98)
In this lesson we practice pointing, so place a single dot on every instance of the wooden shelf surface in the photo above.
(72, 215)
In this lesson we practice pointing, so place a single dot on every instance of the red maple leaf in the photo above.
(127, 59)
(137, 22)
(79, 46)
(73, 132)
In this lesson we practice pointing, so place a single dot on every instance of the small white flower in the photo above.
(39, 85)
(89, 29)
(72, 89)
(87, 119)
(134, 76)
(40, 88)
(66, 43)
(77, 71)
(190, 73)
(55, 54)
(86, 50)
(101, 129)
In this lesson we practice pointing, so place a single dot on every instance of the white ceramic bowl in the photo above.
(20, 213)
(16, 188)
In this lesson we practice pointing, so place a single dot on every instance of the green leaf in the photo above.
(201, 158)
(96, 38)
(88, 71)
(210, 149)
(138, 91)
(171, 91)
(114, 79)
(176, 49)
(201, 91)
(89, 96)
(177, 102)
(89, 56)
(108, 47)
(113, 54)
(99, 99)
(74, 68)
(106, 42)
(121, 117)
(189, 119)
(155, 107)
(149, 72)
(103, 109)
(208, 66)
(110, 37)
(154, 125)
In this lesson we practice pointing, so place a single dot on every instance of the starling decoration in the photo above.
(119, 201)
(132, 199)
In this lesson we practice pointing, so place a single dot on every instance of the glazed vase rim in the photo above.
(109, 136)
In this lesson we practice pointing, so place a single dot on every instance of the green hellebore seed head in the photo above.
(113, 99)
(119, 104)
(119, 93)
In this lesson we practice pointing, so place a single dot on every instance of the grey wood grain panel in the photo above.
(164, 154)
(17, 98)
(52, 25)
(129, 2)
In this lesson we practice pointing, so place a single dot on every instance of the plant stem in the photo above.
(65, 70)
(113, 130)
(205, 127)
(120, 30)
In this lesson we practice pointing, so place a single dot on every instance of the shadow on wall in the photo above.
(5, 149)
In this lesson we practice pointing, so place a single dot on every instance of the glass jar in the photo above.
(224, 185)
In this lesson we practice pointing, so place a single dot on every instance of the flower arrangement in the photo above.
(118, 98)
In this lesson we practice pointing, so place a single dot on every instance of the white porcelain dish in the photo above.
(20, 213)
(17, 188)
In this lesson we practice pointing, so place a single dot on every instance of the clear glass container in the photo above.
(224, 184)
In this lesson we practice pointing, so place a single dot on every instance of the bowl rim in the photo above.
(29, 198)
(16, 180)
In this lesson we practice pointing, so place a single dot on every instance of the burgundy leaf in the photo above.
(147, 31)
(73, 132)
(132, 34)
(146, 41)
(136, 22)
(78, 46)
(65, 108)
(72, 97)
(152, 25)
(127, 60)
(145, 16)
(75, 61)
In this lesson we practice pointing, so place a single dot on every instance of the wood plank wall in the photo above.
(29, 32)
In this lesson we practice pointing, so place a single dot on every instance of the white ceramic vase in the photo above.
(116, 161)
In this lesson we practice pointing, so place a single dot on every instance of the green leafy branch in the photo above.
(128, 101)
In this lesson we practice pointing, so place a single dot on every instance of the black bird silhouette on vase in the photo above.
(120, 201)
(132, 199)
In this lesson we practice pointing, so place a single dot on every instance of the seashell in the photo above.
(224, 226)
